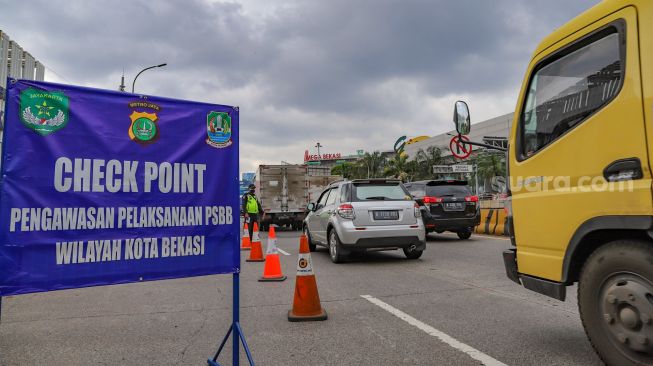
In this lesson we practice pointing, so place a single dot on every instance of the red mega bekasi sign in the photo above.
(315, 157)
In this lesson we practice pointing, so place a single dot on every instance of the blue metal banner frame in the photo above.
(235, 329)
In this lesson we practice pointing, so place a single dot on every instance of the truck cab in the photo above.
(580, 175)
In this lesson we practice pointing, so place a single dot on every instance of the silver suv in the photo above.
(365, 214)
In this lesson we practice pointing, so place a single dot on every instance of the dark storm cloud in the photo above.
(85, 39)
(352, 74)
(337, 49)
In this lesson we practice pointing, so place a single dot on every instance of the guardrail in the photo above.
(492, 203)
(494, 221)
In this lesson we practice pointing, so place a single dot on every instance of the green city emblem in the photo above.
(143, 128)
(42, 111)
(218, 129)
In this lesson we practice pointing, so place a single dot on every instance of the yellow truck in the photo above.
(579, 166)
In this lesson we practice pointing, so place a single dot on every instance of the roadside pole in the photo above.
(476, 178)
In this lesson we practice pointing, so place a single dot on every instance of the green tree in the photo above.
(490, 165)
(399, 167)
(346, 170)
(373, 164)
(425, 160)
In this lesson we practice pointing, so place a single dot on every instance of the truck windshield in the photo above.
(379, 191)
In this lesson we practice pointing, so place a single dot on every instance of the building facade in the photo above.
(325, 162)
(15, 63)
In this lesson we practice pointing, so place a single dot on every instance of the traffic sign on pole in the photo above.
(462, 168)
(459, 149)
(442, 169)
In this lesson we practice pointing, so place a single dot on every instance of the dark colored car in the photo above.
(447, 205)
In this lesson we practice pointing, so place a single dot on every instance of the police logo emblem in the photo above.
(144, 129)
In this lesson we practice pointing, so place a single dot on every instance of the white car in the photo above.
(365, 214)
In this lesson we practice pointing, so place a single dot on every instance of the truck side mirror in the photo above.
(461, 118)
(310, 206)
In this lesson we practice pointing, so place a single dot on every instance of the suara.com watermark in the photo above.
(560, 184)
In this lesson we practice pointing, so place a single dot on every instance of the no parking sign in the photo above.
(458, 148)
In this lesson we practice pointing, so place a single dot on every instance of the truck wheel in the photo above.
(311, 245)
(335, 248)
(615, 300)
(464, 234)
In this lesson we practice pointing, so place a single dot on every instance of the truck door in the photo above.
(579, 148)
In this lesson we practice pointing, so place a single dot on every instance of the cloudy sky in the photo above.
(349, 74)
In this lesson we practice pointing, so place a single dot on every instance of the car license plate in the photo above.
(453, 206)
(385, 215)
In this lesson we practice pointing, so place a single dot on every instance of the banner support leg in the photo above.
(238, 336)
(236, 315)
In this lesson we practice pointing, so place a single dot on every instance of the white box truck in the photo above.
(283, 192)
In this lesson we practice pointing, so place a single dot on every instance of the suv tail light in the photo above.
(346, 211)
(432, 199)
(418, 212)
(471, 199)
(428, 201)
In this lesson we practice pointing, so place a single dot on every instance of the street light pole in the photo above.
(476, 177)
(145, 69)
(318, 150)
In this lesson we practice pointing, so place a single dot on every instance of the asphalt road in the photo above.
(457, 303)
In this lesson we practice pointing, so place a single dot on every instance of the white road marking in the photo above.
(282, 251)
(470, 351)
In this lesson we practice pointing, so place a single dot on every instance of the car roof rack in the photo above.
(377, 180)
(443, 182)
(337, 181)
(447, 182)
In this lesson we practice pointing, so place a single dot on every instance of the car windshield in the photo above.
(379, 192)
(447, 191)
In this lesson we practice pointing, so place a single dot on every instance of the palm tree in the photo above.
(398, 167)
(490, 165)
(425, 161)
(373, 163)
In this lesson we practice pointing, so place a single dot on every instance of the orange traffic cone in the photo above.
(272, 270)
(256, 254)
(245, 243)
(306, 305)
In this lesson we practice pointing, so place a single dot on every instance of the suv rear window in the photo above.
(450, 191)
(417, 190)
(379, 191)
